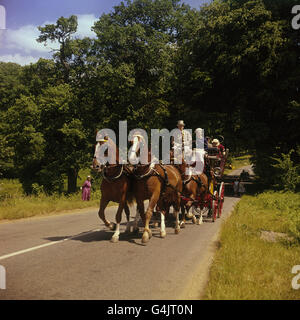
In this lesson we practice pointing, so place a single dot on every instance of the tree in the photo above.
(58, 102)
(65, 137)
(60, 32)
(140, 37)
(10, 90)
(27, 141)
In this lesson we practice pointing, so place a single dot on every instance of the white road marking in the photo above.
(45, 245)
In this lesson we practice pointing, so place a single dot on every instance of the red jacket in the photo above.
(221, 148)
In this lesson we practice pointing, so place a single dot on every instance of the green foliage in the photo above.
(288, 174)
(230, 67)
(286, 205)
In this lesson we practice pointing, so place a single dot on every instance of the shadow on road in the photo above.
(98, 235)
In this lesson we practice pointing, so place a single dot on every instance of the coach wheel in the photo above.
(221, 199)
(215, 206)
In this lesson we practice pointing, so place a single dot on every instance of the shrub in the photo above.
(287, 176)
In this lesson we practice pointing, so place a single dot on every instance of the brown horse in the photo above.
(115, 187)
(161, 184)
(193, 186)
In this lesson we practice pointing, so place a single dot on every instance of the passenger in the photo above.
(216, 144)
(208, 141)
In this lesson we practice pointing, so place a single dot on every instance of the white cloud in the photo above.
(24, 38)
(85, 22)
(17, 58)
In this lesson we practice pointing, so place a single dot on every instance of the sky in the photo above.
(22, 17)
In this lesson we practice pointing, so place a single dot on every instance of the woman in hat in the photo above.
(86, 189)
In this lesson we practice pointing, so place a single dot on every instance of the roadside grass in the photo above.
(15, 205)
(237, 162)
(247, 267)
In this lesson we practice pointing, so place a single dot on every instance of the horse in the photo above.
(194, 187)
(116, 186)
(161, 185)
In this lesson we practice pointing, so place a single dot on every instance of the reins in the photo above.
(110, 179)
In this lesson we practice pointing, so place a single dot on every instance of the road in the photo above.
(70, 256)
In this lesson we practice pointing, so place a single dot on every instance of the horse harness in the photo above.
(123, 171)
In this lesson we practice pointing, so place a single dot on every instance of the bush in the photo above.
(287, 176)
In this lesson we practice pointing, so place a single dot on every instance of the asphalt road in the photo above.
(70, 256)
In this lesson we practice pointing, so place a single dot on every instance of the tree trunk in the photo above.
(72, 180)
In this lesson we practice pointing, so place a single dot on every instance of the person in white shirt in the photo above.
(182, 140)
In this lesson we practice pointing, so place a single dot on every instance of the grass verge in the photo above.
(248, 267)
(15, 205)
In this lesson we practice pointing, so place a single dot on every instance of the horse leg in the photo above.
(103, 204)
(115, 237)
(176, 214)
(177, 222)
(127, 212)
(183, 221)
(136, 221)
(189, 205)
(200, 220)
(152, 202)
(155, 221)
(162, 225)
(139, 212)
(194, 219)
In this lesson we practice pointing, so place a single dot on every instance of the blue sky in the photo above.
(17, 41)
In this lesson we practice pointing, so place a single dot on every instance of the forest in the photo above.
(230, 67)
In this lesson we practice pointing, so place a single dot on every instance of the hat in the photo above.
(216, 141)
(137, 135)
(88, 176)
(180, 123)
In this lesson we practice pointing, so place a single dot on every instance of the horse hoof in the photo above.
(199, 221)
(194, 220)
(145, 237)
(112, 226)
(150, 234)
(114, 239)
(182, 225)
(189, 215)
(163, 234)
(177, 230)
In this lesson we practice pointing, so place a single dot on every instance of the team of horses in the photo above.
(165, 186)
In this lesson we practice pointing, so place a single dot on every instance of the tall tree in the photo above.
(140, 36)
(60, 32)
